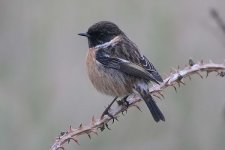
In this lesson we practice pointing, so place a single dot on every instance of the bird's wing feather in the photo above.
(150, 68)
(124, 66)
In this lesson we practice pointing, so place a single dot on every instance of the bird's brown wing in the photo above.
(123, 65)
(150, 68)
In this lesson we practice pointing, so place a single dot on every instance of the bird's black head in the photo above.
(101, 32)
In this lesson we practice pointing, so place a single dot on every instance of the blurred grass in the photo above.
(44, 87)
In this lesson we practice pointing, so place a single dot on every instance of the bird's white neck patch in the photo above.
(110, 43)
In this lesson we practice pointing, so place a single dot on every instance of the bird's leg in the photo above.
(123, 101)
(106, 111)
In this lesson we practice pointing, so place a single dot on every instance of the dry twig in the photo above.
(175, 78)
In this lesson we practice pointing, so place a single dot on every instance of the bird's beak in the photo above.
(84, 34)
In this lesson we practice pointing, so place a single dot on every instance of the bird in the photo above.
(116, 67)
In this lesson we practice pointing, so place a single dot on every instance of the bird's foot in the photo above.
(102, 128)
(124, 102)
(106, 111)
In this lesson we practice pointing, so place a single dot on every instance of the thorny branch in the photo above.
(175, 78)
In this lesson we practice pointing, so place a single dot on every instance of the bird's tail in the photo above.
(154, 109)
(150, 102)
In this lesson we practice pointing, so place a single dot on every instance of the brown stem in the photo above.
(176, 77)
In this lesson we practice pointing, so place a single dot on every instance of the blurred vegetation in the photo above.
(44, 87)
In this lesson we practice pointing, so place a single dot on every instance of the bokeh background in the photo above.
(44, 87)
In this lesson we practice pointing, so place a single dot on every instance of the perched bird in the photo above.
(117, 68)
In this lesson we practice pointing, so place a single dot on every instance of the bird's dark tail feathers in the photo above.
(154, 109)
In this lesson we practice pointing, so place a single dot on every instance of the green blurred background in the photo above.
(44, 87)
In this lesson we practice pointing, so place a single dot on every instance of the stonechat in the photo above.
(116, 67)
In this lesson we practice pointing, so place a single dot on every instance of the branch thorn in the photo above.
(71, 138)
(137, 107)
(199, 74)
(201, 62)
(191, 62)
(160, 93)
(174, 87)
(189, 77)
(157, 96)
(93, 120)
(94, 131)
(80, 126)
(107, 126)
(89, 136)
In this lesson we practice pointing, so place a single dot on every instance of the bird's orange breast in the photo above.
(106, 80)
